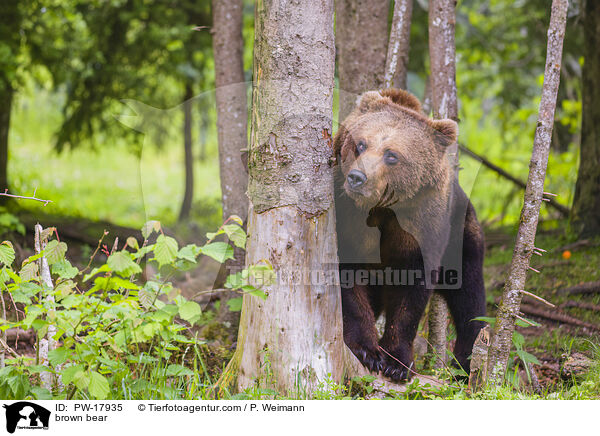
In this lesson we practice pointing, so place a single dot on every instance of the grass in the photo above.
(112, 183)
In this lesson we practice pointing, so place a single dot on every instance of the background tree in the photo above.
(292, 339)
(361, 29)
(232, 126)
(585, 215)
(501, 340)
(442, 54)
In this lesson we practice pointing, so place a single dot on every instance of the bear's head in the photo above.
(390, 152)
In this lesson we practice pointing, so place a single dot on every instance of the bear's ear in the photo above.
(367, 101)
(446, 131)
(403, 98)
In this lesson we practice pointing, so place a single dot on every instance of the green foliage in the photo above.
(118, 336)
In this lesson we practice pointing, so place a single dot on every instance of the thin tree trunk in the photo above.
(48, 343)
(232, 127)
(6, 98)
(501, 340)
(585, 215)
(442, 54)
(292, 340)
(188, 196)
(361, 37)
(396, 64)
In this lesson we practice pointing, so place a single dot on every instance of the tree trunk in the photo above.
(396, 64)
(501, 340)
(188, 196)
(362, 37)
(292, 340)
(442, 54)
(6, 98)
(585, 215)
(232, 127)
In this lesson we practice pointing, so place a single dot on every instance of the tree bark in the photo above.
(361, 38)
(188, 196)
(232, 128)
(585, 215)
(6, 98)
(442, 54)
(232, 110)
(396, 64)
(501, 340)
(292, 340)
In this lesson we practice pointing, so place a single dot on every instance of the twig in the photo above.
(94, 254)
(6, 347)
(6, 194)
(537, 298)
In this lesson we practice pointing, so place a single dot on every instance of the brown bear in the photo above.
(405, 228)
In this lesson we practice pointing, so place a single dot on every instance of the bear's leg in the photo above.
(468, 303)
(404, 309)
(360, 334)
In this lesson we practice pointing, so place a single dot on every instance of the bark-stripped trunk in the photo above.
(501, 340)
(396, 64)
(188, 196)
(293, 339)
(361, 37)
(442, 54)
(585, 215)
(232, 126)
(6, 98)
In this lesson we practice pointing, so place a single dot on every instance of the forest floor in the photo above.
(567, 332)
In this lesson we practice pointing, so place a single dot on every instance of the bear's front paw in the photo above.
(398, 368)
(370, 357)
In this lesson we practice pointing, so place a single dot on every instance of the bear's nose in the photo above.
(356, 178)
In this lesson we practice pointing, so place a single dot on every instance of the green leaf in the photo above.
(236, 235)
(178, 370)
(146, 297)
(64, 288)
(165, 250)
(41, 393)
(7, 253)
(189, 252)
(58, 356)
(68, 373)
(235, 304)
(149, 227)
(55, 251)
(29, 271)
(133, 243)
(122, 263)
(103, 268)
(64, 269)
(219, 251)
(190, 310)
(98, 386)
(258, 293)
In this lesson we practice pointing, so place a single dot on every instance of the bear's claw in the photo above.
(371, 359)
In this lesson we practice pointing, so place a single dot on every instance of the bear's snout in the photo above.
(356, 179)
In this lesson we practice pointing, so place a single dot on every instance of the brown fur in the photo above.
(424, 220)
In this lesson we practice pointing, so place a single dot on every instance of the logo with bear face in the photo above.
(26, 415)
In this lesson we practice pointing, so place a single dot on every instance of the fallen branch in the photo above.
(551, 201)
(580, 305)
(558, 316)
(584, 288)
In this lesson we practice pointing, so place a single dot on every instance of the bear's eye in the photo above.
(390, 158)
(360, 147)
